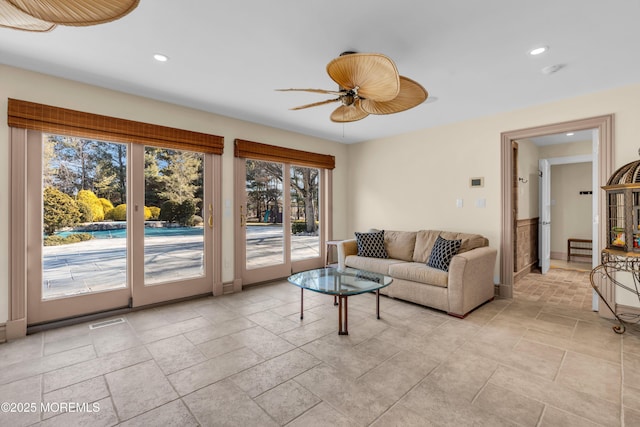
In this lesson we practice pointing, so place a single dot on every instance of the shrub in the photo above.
(89, 197)
(60, 210)
(155, 212)
(147, 213)
(185, 212)
(119, 213)
(106, 205)
(86, 215)
(300, 226)
(73, 238)
(195, 220)
(169, 211)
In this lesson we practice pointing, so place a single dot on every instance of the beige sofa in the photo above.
(467, 284)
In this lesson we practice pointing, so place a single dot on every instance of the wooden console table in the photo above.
(617, 261)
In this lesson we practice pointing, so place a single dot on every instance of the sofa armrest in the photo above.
(346, 248)
(471, 280)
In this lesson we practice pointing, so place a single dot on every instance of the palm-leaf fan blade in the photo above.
(12, 17)
(76, 12)
(315, 104)
(329, 92)
(375, 75)
(348, 113)
(411, 94)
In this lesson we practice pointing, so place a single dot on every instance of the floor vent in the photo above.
(106, 323)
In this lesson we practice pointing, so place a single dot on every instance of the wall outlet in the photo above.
(459, 203)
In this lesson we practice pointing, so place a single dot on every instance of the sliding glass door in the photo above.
(112, 225)
(280, 219)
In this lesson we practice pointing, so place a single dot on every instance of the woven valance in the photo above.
(45, 118)
(272, 153)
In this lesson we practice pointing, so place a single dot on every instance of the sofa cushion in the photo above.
(376, 265)
(419, 272)
(371, 245)
(400, 244)
(425, 239)
(469, 241)
(442, 252)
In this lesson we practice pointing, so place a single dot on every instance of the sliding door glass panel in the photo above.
(264, 212)
(304, 213)
(84, 216)
(173, 215)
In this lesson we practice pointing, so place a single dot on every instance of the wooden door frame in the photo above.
(605, 127)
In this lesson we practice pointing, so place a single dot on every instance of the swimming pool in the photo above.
(148, 232)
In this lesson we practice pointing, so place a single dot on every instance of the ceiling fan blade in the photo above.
(315, 104)
(411, 94)
(348, 113)
(12, 17)
(76, 12)
(329, 92)
(375, 75)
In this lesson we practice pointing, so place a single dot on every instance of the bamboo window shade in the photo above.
(272, 153)
(45, 118)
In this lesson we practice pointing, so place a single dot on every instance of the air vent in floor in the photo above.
(106, 323)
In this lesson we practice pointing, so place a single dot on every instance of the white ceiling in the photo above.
(562, 138)
(227, 57)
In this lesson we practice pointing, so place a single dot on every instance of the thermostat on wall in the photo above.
(476, 182)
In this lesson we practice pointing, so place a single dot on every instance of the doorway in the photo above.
(552, 209)
(284, 211)
(114, 225)
(603, 126)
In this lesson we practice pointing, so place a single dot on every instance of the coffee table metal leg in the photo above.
(378, 303)
(301, 303)
(343, 328)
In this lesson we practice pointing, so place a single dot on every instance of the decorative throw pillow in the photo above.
(371, 244)
(442, 252)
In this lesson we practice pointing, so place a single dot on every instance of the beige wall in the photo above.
(411, 181)
(29, 86)
(571, 212)
(528, 192)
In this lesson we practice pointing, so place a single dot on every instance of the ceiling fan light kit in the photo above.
(368, 83)
(44, 15)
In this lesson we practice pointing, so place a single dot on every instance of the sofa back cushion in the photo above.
(400, 244)
(425, 239)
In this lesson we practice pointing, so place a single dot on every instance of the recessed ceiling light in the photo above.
(552, 69)
(570, 134)
(538, 50)
(160, 57)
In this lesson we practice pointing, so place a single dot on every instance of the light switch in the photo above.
(459, 203)
(481, 203)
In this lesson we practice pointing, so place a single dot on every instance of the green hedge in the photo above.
(73, 238)
(300, 226)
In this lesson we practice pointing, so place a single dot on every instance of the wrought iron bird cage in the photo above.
(623, 208)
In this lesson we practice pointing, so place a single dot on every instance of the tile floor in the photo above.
(541, 359)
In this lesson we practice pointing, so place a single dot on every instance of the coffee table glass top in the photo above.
(332, 281)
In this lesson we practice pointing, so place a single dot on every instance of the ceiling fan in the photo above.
(44, 15)
(368, 83)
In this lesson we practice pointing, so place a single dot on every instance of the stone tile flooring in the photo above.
(541, 359)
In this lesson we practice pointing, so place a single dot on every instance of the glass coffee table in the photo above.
(341, 284)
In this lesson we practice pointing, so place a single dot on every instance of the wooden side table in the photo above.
(329, 250)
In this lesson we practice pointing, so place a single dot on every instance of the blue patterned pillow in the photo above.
(371, 245)
(442, 252)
